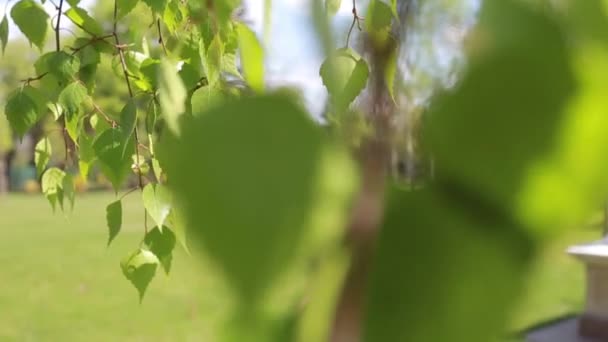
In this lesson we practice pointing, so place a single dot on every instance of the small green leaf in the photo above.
(345, 75)
(4, 33)
(128, 120)
(332, 6)
(52, 186)
(172, 95)
(379, 16)
(82, 19)
(72, 97)
(161, 242)
(151, 116)
(212, 61)
(42, 155)
(124, 7)
(68, 190)
(139, 268)
(85, 153)
(21, 111)
(252, 57)
(158, 171)
(205, 97)
(157, 202)
(114, 219)
(62, 65)
(32, 21)
(108, 147)
(157, 6)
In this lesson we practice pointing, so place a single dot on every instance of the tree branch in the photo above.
(123, 64)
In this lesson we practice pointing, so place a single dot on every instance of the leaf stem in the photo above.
(57, 36)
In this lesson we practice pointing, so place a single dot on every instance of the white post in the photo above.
(594, 320)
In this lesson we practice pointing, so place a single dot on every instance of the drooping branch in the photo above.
(125, 71)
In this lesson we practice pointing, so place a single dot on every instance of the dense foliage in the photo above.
(270, 196)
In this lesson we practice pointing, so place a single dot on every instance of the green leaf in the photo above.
(32, 21)
(128, 121)
(108, 147)
(62, 65)
(171, 95)
(86, 155)
(379, 16)
(139, 268)
(474, 262)
(71, 98)
(68, 190)
(157, 202)
(21, 111)
(518, 92)
(52, 186)
(229, 65)
(332, 6)
(206, 97)
(82, 19)
(42, 155)
(72, 3)
(212, 61)
(114, 219)
(161, 242)
(345, 75)
(151, 116)
(157, 6)
(125, 7)
(87, 53)
(252, 222)
(252, 57)
(4, 33)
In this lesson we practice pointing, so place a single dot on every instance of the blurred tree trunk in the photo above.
(374, 157)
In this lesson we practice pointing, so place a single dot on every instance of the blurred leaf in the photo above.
(72, 97)
(161, 242)
(32, 21)
(4, 33)
(68, 190)
(124, 7)
(42, 155)
(493, 129)
(344, 74)
(252, 57)
(444, 260)
(128, 121)
(249, 222)
(114, 219)
(157, 6)
(82, 19)
(139, 268)
(172, 95)
(52, 186)
(108, 147)
(21, 111)
(86, 155)
(332, 6)
(212, 60)
(157, 202)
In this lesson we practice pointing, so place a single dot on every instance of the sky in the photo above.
(293, 55)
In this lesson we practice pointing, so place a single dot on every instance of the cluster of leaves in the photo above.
(265, 191)
(190, 67)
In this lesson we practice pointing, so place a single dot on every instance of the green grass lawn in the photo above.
(59, 282)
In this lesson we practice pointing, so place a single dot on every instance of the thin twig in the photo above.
(91, 41)
(356, 20)
(104, 115)
(59, 8)
(36, 78)
(128, 192)
(161, 41)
